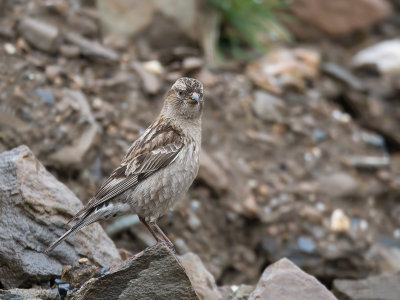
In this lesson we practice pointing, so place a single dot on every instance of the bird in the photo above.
(158, 168)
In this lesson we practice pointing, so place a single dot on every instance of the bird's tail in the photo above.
(80, 224)
(86, 217)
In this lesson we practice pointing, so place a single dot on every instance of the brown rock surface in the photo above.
(34, 207)
(42, 35)
(285, 281)
(385, 287)
(202, 280)
(337, 17)
(152, 274)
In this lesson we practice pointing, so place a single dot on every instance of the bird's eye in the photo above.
(180, 93)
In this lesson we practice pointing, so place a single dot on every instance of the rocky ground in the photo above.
(300, 150)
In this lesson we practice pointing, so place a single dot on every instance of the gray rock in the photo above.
(151, 83)
(34, 207)
(338, 184)
(212, 174)
(74, 155)
(202, 280)
(152, 274)
(268, 107)
(385, 287)
(164, 23)
(285, 281)
(29, 294)
(236, 292)
(39, 34)
(92, 49)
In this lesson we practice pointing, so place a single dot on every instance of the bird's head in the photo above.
(185, 98)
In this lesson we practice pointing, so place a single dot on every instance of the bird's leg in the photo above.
(150, 229)
(164, 236)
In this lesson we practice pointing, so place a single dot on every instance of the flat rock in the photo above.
(384, 287)
(336, 18)
(268, 107)
(212, 174)
(152, 274)
(34, 208)
(384, 57)
(151, 83)
(285, 281)
(41, 35)
(92, 49)
(202, 280)
(80, 151)
(338, 184)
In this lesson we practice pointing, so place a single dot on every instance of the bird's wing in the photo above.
(155, 149)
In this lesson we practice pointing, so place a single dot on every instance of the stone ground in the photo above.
(311, 173)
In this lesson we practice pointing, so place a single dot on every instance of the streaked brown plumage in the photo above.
(158, 168)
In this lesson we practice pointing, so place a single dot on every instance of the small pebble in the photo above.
(10, 49)
(83, 260)
(340, 222)
(306, 244)
(104, 271)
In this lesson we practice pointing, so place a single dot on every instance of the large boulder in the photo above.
(34, 208)
(162, 23)
(285, 281)
(384, 287)
(152, 274)
(336, 18)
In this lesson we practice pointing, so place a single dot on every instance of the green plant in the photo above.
(244, 23)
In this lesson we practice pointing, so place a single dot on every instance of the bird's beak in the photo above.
(194, 98)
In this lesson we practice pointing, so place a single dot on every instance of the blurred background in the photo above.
(301, 130)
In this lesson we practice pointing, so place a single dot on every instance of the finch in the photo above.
(157, 169)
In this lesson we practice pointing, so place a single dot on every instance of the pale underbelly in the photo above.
(156, 195)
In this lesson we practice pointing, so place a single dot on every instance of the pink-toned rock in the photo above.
(336, 18)
(285, 281)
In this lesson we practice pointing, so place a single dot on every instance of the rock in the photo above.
(284, 68)
(9, 49)
(340, 222)
(338, 185)
(154, 273)
(46, 95)
(28, 294)
(212, 174)
(268, 107)
(367, 162)
(384, 287)
(336, 18)
(150, 81)
(154, 66)
(385, 257)
(236, 292)
(34, 207)
(384, 57)
(92, 49)
(39, 34)
(285, 281)
(77, 275)
(341, 74)
(74, 155)
(192, 63)
(164, 23)
(202, 280)
(69, 51)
